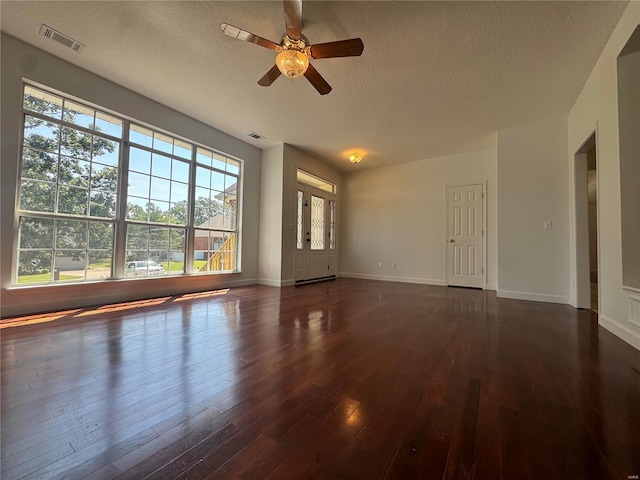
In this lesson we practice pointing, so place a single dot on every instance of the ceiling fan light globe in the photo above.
(292, 63)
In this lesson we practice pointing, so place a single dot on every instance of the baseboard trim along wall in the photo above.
(626, 334)
(534, 297)
(275, 283)
(389, 278)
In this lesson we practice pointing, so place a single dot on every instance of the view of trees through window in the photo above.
(70, 198)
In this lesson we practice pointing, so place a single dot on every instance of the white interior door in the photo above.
(465, 236)
(315, 244)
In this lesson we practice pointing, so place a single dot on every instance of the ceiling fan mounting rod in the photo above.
(300, 45)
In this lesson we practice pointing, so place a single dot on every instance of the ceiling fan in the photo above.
(294, 51)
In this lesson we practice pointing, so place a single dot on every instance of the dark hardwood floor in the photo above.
(342, 379)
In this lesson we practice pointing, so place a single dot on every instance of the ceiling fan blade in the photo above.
(293, 18)
(342, 48)
(240, 34)
(270, 76)
(319, 83)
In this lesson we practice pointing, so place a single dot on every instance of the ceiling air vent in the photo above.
(256, 136)
(68, 42)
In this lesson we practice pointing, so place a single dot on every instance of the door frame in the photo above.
(483, 183)
(331, 255)
(581, 272)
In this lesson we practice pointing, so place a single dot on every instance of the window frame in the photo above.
(119, 222)
(235, 232)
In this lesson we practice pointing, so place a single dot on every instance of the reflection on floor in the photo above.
(348, 379)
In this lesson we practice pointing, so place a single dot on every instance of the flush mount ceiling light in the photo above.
(355, 157)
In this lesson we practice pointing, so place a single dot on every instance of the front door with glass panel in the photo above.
(315, 234)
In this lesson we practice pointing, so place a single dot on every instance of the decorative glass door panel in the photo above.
(300, 222)
(317, 222)
(332, 224)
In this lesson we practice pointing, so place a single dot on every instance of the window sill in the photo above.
(29, 289)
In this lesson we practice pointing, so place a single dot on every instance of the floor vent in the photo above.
(256, 136)
(56, 36)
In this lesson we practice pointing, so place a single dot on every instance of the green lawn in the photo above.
(175, 266)
(179, 266)
(45, 277)
(104, 264)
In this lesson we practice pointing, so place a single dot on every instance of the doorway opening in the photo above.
(587, 225)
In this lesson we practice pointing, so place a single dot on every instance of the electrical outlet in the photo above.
(379, 264)
(547, 224)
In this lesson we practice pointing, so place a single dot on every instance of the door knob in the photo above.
(451, 240)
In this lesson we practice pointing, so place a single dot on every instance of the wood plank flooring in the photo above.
(349, 379)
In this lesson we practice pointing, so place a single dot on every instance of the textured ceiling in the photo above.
(435, 78)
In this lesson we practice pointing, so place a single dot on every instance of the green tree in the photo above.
(64, 164)
(204, 209)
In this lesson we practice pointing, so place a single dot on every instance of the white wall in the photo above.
(278, 209)
(533, 263)
(596, 108)
(396, 214)
(629, 124)
(21, 60)
(271, 200)
(294, 159)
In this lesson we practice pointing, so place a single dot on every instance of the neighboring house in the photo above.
(207, 241)
(211, 235)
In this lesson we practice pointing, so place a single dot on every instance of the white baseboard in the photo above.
(243, 282)
(625, 333)
(275, 283)
(491, 286)
(389, 278)
(534, 297)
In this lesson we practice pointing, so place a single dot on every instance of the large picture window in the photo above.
(215, 211)
(86, 174)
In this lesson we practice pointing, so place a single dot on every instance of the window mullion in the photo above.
(191, 201)
(120, 240)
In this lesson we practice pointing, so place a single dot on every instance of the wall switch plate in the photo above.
(547, 224)
(379, 264)
(393, 265)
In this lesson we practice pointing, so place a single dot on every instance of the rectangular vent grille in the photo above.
(257, 136)
(61, 38)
